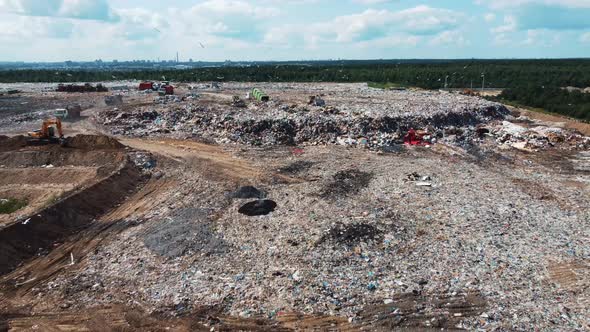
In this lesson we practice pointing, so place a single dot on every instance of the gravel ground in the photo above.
(496, 229)
(494, 209)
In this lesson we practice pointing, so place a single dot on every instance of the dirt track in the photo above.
(209, 159)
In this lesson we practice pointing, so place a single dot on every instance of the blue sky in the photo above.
(212, 30)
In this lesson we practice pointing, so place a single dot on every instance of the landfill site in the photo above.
(209, 206)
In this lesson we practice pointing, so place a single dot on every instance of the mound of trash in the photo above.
(371, 126)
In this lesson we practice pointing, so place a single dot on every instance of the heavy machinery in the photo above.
(47, 134)
(163, 87)
(69, 113)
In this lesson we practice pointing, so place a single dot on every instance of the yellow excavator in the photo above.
(47, 134)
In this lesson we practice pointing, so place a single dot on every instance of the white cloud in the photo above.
(78, 9)
(390, 41)
(510, 25)
(372, 2)
(449, 38)
(27, 28)
(585, 38)
(221, 8)
(501, 39)
(369, 25)
(542, 37)
(502, 4)
(489, 17)
(542, 14)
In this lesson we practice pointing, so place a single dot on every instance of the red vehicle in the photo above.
(169, 89)
(146, 86)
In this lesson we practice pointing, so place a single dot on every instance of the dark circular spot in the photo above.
(258, 208)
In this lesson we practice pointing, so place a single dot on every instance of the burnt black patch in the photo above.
(347, 182)
(352, 234)
(187, 232)
(297, 167)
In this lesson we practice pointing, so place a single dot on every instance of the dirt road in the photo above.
(212, 160)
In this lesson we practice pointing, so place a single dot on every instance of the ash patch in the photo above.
(297, 167)
(351, 235)
(187, 232)
(347, 182)
(247, 192)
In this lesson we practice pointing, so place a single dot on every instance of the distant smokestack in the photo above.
(177, 58)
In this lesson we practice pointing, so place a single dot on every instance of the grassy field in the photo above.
(385, 85)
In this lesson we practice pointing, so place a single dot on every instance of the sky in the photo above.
(217, 30)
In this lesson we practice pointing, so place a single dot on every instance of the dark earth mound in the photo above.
(93, 142)
(12, 143)
(247, 192)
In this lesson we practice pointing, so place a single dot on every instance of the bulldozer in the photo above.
(47, 134)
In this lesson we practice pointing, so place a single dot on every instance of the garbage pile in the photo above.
(238, 102)
(114, 100)
(87, 87)
(537, 137)
(167, 99)
(274, 123)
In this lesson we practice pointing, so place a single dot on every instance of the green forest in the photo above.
(535, 83)
(574, 104)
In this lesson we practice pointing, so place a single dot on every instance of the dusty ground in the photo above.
(487, 237)
(555, 120)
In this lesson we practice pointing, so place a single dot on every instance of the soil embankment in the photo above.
(114, 177)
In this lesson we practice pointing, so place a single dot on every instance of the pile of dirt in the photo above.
(247, 192)
(89, 142)
(351, 235)
(258, 208)
(39, 233)
(12, 143)
(62, 157)
(346, 182)
(187, 232)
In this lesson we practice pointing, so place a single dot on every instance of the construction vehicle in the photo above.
(47, 134)
(164, 87)
(259, 95)
(68, 113)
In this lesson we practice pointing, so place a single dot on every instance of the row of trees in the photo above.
(431, 75)
(535, 83)
(557, 100)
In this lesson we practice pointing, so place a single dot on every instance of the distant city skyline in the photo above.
(266, 30)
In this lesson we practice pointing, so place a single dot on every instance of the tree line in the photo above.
(534, 83)
(574, 103)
